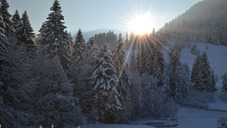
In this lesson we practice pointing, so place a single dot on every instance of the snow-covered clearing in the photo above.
(218, 104)
(197, 118)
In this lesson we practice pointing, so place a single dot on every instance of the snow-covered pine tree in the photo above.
(82, 59)
(71, 43)
(78, 47)
(107, 97)
(195, 71)
(3, 61)
(119, 58)
(54, 39)
(24, 33)
(150, 55)
(212, 84)
(91, 45)
(204, 74)
(3, 41)
(9, 30)
(158, 67)
(53, 96)
(133, 66)
(178, 78)
(135, 87)
(183, 82)
(16, 20)
(142, 60)
(224, 83)
(174, 66)
(79, 37)
(19, 87)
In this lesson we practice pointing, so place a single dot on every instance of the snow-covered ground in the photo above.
(197, 118)
(115, 126)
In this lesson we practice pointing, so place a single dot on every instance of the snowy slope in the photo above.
(217, 56)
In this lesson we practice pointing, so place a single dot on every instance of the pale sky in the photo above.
(97, 14)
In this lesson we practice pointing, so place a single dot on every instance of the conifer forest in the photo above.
(166, 77)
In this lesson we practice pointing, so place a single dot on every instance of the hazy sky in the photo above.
(96, 14)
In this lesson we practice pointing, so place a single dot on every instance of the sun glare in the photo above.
(141, 24)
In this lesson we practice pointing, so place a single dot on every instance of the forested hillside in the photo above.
(206, 21)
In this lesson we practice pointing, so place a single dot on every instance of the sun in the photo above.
(141, 24)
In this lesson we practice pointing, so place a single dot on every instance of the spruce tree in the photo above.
(78, 47)
(173, 73)
(3, 40)
(142, 60)
(159, 67)
(16, 20)
(3, 52)
(24, 32)
(224, 83)
(133, 63)
(79, 37)
(9, 30)
(212, 84)
(119, 57)
(54, 39)
(93, 47)
(204, 74)
(195, 70)
(53, 95)
(107, 97)
(3, 57)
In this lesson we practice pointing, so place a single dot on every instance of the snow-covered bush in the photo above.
(222, 122)
(155, 102)
(198, 99)
(223, 96)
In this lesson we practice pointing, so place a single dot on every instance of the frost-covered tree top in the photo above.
(54, 38)
(119, 56)
(3, 39)
(2, 29)
(24, 32)
(56, 7)
(79, 47)
(6, 17)
(79, 37)
(16, 20)
(93, 47)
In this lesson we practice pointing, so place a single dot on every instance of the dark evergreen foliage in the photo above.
(16, 20)
(9, 30)
(224, 83)
(54, 40)
(24, 32)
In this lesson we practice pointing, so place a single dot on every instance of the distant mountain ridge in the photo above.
(87, 35)
(205, 21)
